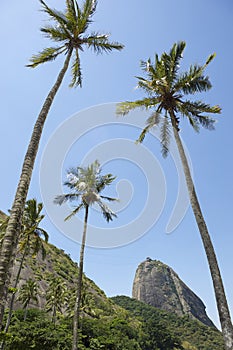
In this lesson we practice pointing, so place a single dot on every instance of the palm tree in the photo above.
(56, 296)
(165, 92)
(69, 31)
(85, 185)
(30, 241)
(28, 292)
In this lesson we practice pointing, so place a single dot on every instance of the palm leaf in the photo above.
(165, 136)
(85, 14)
(63, 198)
(48, 54)
(56, 15)
(124, 108)
(176, 54)
(110, 199)
(75, 211)
(56, 34)
(71, 11)
(108, 214)
(100, 43)
(76, 71)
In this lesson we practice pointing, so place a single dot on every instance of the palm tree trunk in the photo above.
(26, 311)
(13, 295)
(11, 236)
(79, 285)
(223, 309)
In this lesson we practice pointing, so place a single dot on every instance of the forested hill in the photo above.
(158, 324)
(118, 323)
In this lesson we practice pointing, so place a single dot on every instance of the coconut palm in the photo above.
(30, 242)
(27, 293)
(70, 33)
(166, 90)
(85, 186)
(56, 296)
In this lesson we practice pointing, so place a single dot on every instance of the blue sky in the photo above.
(144, 28)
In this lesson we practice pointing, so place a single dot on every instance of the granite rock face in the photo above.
(158, 285)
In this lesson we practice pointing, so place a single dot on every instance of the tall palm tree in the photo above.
(70, 32)
(85, 185)
(166, 90)
(56, 296)
(30, 241)
(27, 293)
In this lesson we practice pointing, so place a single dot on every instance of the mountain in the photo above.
(159, 285)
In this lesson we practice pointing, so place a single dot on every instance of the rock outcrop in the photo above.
(158, 285)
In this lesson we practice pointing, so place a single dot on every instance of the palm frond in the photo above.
(142, 136)
(193, 81)
(110, 199)
(151, 122)
(76, 71)
(71, 10)
(209, 59)
(100, 43)
(165, 136)
(108, 214)
(194, 109)
(40, 232)
(124, 108)
(85, 14)
(89, 8)
(75, 211)
(175, 55)
(63, 198)
(54, 14)
(104, 180)
(56, 33)
(48, 54)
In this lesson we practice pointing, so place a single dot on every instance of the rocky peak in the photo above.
(159, 285)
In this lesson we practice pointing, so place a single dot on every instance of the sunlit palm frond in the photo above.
(124, 108)
(46, 55)
(85, 14)
(176, 53)
(110, 199)
(104, 180)
(75, 211)
(55, 33)
(54, 14)
(76, 71)
(100, 43)
(108, 214)
(151, 122)
(71, 11)
(63, 198)
(165, 135)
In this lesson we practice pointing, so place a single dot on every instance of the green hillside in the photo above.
(118, 323)
(157, 324)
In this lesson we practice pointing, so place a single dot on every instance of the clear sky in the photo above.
(144, 27)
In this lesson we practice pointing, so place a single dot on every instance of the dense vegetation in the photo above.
(119, 323)
(162, 328)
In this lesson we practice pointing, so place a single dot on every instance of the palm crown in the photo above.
(31, 231)
(85, 185)
(70, 32)
(166, 89)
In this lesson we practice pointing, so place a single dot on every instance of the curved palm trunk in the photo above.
(223, 310)
(79, 285)
(11, 237)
